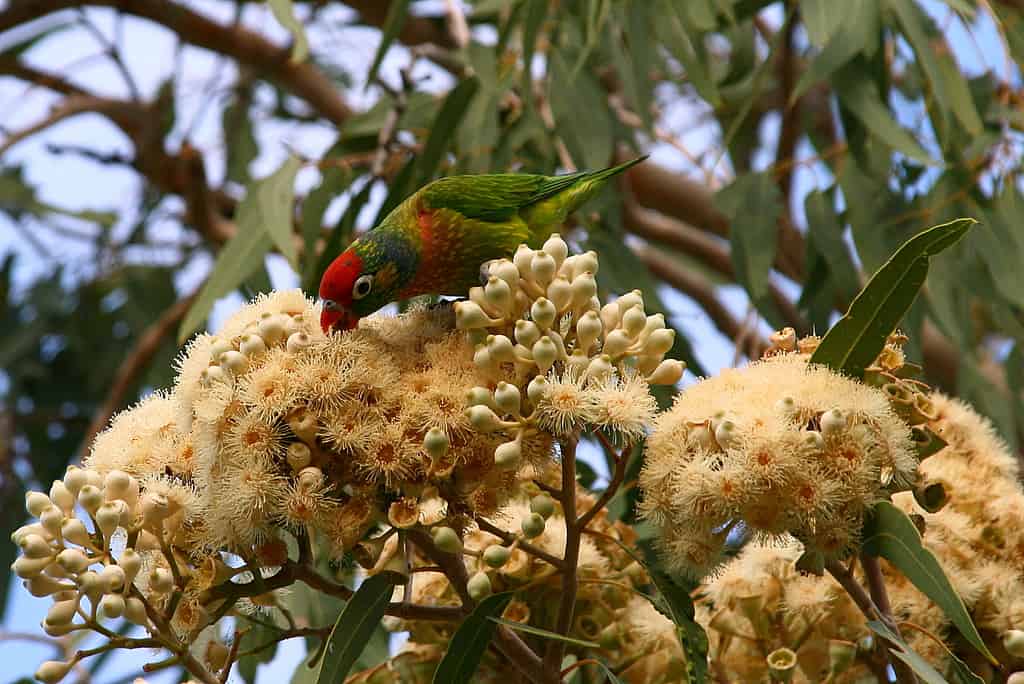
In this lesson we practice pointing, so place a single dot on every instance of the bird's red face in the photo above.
(336, 290)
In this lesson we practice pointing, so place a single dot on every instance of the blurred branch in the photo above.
(789, 133)
(303, 79)
(12, 66)
(134, 364)
(73, 105)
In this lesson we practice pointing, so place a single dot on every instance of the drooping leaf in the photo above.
(240, 143)
(398, 10)
(443, 128)
(343, 232)
(536, 631)
(753, 204)
(256, 634)
(674, 34)
(470, 640)
(860, 31)
(356, 624)
(284, 12)
(272, 205)
(589, 138)
(825, 228)
(889, 533)
(334, 181)
(823, 19)
(859, 336)
(612, 679)
(921, 667)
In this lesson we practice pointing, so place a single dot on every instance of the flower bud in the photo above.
(310, 479)
(74, 531)
(543, 267)
(130, 562)
(616, 343)
(832, 422)
(537, 388)
(813, 441)
(508, 455)
(62, 497)
(588, 329)
(108, 517)
(36, 502)
(27, 568)
(436, 442)
(498, 293)
(545, 353)
(73, 560)
(161, 580)
(527, 332)
(303, 425)
(500, 348)
(668, 372)
(556, 247)
(610, 315)
(479, 396)
(446, 539)
(298, 456)
(297, 341)
(483, 419)
(62, 612)
(600, 368)
(725, 434)
(586, 263)
(507, 271)
(116, 484)
(628, 300)
(532, 525)
(25, 530)
(112, 605)
(294, 323)
(91, 584)
(52, 671)
(43, 585)
(74, 479)
(543, 505)
(496, 555)
(507, 398)
(271, 328)
(135, 611)
(252, 345)
(660, 341)
(51, 519)
(523, 259)
(155, 508)
(34, 546)
(113, 578)
(211, 375)
(59, 630)
(233, 362)
(543, 312)
(583, 288)
(560, 293)
(577, 362)
(479, 586)
(469, 315)
(633, 321)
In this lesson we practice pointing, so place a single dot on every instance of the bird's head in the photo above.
(359, 281)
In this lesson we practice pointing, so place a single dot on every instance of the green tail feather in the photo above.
(562, 195)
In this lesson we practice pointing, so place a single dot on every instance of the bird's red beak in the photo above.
(337, 319)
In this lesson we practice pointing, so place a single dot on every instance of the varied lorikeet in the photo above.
(435, 241)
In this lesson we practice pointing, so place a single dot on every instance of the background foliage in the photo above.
(795, 146)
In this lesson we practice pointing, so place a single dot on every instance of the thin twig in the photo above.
(618, 474)
(526, 546)
(570, 583)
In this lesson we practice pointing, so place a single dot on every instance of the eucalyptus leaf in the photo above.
(467, 645)
(398, 10)
(753, 204)
(536, 631)
(284, 12)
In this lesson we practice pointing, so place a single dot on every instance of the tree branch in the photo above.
(570, 582)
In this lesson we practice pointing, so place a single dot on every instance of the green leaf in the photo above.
(859, 336)
(753, 204)
(860, 32)
(334, 181)
(612, 679)
(256, 634)
(859, 94)
(827, 232)
(470, 640)
(948, 82)
(823, 18)
(239, 141)
(674, 35)
(342, 234)
(589, 138)
(270, 202)
(443, 128)
(536, 631)
(921, 667)
(356, 624)
(393, 22)
(889, 533)
(536, 13)
(284, 12)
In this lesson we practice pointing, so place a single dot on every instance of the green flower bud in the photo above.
(616, 343)
(507, 398)
(479, 586)
(628, 300)
(498, 293)
(27, 568)
(271, 328)
(523, 260)
(508, 455)
(479, 396)
(496, 555)
(584, 286)
(436, 442)
(130, 562)
(483, 419)
(588, 329)
(545, 353)
(74, 479)
(34, 546)
(73, 560)
(113, 578)
(482, 358)
(217, 347)
(211, 375)
(469, 315)
(135, 611)
(297, 341)
(447, 540)
(660, 341)
(600, 368)
(832, 422)
(537, 388)
(527, 332)
(500, 348)
(586, 263)
(52, 671)
(532, 525)
(62, 612)
(543, 312)
(112, 605)
(62, 497)
(507, 271)
(74, 531)
(108, 517)
(543, 505)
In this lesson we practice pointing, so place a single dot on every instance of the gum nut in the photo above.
(297, 341)
(560, 293)
(436, 442)
(41, 586)
(616, 343)
(115, 484)
(668, 372)
(91, 584)
(832, 422)
(271, 329)
(479, 396)
(543, 266)
(73, 560)
(62, 612)
(610, 316)
(298, 456)
(52, 519)
(34, 546)
(660, 341)
(508, 455)
(537, 388)
(507, 271)
(630, 299)
(161, 580)
(483, 419)
(27, 568)
(583, 288)
(469, 315)
(496, 555)
(543, 505)
(543, 312)
(36, 503)
(501, 349)
(212, 375)
(556, 247)
(113, 577)
(588, 328)
(218, 346)
(108, 517)
(61, 496)
(112, 605)
(135, 611)
(482, 358)
(233, 362)
(497, 292)
(309, 479)
(52, 671)
(131, 562)
(544, 353)
(523, 259)
(633, 321)
(587, 263)
(527, 332)
(447, 540)
(252, 345)
(74, 479)
(507, 398)
(479, 586)
(90, 497)
(532, 525)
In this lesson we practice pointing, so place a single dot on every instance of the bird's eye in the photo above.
(362, 286)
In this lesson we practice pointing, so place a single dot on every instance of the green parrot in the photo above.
(435, 241)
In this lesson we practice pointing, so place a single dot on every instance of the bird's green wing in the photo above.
(495, 197)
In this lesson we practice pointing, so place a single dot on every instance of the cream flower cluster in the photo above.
(779, 447)
(554, 359)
